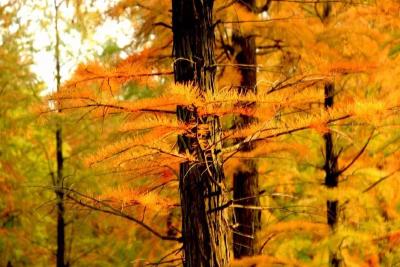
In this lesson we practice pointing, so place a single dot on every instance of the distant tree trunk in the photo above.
(245, 178)
(60, 201)
(331, 174)
(58, 181)
(331, 159)
(205, 228)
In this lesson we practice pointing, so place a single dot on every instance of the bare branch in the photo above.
(357, 156)
(162, 24)
(379, 181)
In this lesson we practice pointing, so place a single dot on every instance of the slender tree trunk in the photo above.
(58, 183)
(331, 159)
(60, 201)
(245, 178)
(205, 229)
(331, 174)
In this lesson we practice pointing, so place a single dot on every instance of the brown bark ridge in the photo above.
(331, 173)
(245, 178)
(205, 229)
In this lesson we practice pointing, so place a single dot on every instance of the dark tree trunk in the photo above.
(245, 178)
(331, 173)
(59, 179)
(205, 228)
(331, 159)
(60, 202)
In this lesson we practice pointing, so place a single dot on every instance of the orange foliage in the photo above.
(124, 198)
(299, 51)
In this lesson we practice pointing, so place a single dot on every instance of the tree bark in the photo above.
(205, 229)
(245, 178)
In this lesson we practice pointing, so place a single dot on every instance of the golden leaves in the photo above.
(371, 111)
(320, 127)
(230, 77)
(347, 67)
(125, 197)
(109, 81)
(152, 121)
(290, 100)
(141, 145)
(241, 13)
(318, 229)
(264, 260)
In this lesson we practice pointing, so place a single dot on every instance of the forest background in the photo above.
(199, 133)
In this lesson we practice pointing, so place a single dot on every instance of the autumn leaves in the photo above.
(222, 121)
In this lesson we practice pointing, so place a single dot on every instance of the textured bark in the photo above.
(204, 226)
(245, 178)
(331, 173)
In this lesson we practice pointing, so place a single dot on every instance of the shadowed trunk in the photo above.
(59, 179)
(60, 201)
(331, 173)
(245, 178)
(331, 159)
(204, 225)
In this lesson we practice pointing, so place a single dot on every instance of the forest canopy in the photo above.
(199, 133)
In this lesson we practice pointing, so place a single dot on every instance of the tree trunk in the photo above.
(59, 179)
(331, 174)
(205, 228)
(60, 201)
(245, 178)
(331, 159)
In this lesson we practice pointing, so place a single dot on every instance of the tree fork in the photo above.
(245, 179)
(205, 234)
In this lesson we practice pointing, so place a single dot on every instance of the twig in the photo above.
(119, 213)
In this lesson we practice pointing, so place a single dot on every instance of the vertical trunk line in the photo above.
(245, 178)
(60, 255)
(331, 173)
(204, 226)
(60, 201)
(331, 159)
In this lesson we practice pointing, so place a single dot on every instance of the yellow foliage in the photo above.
(124, 197)
(152, 121)
(321, 128)
(241, 13)
(263, 260)
(349, 49)
(230, 77)
(318, 229)
(136, 147)
(369, 111)
(347, 67)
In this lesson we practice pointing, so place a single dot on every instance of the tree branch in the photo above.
(379, 181)
(162, 24)
(118, 213)
(357, 156)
